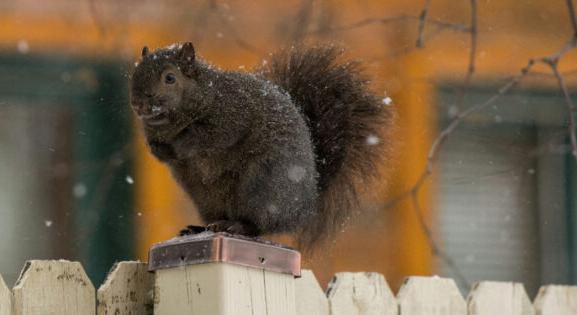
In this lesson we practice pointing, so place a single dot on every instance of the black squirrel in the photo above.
(278, 150)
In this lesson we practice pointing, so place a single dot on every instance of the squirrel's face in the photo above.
(158, 85)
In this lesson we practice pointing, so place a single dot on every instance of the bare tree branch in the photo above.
(393, 19)
(460, 277)
(232, 31)
(422, 21)
(571, 10)
(96, 18)
(472, 56)
(570, 108)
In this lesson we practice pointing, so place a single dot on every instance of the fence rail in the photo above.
(62, 287)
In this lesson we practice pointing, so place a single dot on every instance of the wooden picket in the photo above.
(431, 296)
(62, 287)
(53, 287)
(311, 298)
(128, 289)
(216, 288)
(504, 298)
(556, 300)
(5, 298)
(361, 293)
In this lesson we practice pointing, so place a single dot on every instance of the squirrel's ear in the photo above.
(187, 52)
(144, 51)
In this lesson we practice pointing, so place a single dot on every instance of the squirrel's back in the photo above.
(348, 125)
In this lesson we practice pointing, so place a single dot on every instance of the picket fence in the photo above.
(62, 287)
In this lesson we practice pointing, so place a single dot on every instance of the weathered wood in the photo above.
(220, 288)
(431, 296)
(54, 287)
(360, 293)
(5, 298)
(556, 300)
(310, 298)
(503, 298)
(127, 290)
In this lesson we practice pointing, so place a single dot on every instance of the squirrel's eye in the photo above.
(170, 78)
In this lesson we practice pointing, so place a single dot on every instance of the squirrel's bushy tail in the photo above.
(347, 125)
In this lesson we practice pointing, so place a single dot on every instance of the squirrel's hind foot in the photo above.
(233, 227)
(191, 230)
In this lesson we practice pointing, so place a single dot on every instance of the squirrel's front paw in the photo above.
(162, 151)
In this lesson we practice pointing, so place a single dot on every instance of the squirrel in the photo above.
(277, 150)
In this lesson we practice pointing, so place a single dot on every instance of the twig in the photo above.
(422, 21)
(232, 30)
(570, 107)
(472, 56)
(460, 277)
(386, 20)
(96, 18)
(571, 9)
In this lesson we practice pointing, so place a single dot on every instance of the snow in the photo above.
(387, 101)
(129, 179)
(373, 140)
(48, 223)
(23, 46)
(79, 190)
(296, 173)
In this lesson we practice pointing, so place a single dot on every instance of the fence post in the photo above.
(310, 298)
(220, 274)
(356, 293)
(431, 296)
(556, 300)
(127, 290)
(504, 298)
(5, 298)
(54, 287)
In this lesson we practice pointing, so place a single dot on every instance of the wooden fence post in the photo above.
(5, 298)
(218, 274)
(503, 298)
(127, 290)
(556, 300)
(431, 296)
(310, 298)
(360, 293)
(53, 287)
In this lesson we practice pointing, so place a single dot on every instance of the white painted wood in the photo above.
(431, 296)
(54, 287)
(359, 293)
(503, 298)
(556, 300)
(5, 298)
(127, 290)
(220, 288)
(310, 298)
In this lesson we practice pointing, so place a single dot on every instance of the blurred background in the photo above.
(77, 181)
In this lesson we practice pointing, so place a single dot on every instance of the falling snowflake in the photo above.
(296, 173)
(79, 190)
(48, 223)
(373, 140)
(129, 179)
(23, 46)
(387, 101)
